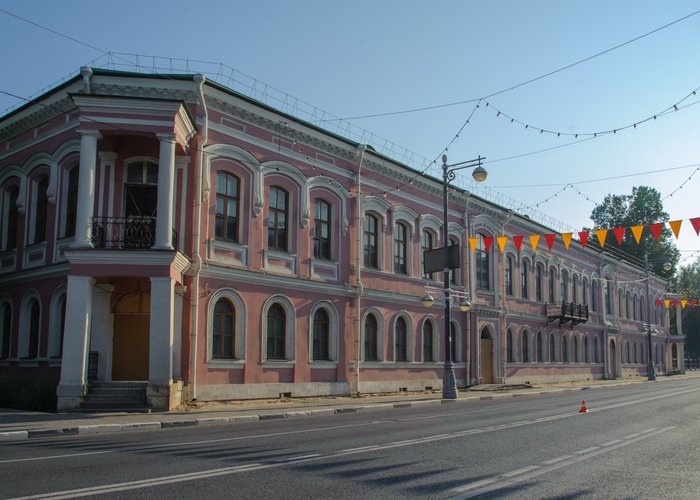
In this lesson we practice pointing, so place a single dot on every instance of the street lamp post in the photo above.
(651, 375)
(449, 381)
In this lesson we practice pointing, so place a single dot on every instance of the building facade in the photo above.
(164, 228)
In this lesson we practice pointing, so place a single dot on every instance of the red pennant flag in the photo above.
(675, 302)
(659, 302)
(488, 241)
(619, 234)
(656, 230)
(696, 225)
(583, 236)
(549, 238)
(518, 240)
(693, 302)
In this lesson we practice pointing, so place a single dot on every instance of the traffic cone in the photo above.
(583, 407)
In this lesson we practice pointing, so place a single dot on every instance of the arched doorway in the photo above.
(131, 336)
(486, 358)
(612, 370)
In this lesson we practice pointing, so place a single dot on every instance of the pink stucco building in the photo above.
(166, 229)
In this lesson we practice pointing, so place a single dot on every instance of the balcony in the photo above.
(118, 233)
(567, 312)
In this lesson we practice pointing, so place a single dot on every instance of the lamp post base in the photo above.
(449, 382)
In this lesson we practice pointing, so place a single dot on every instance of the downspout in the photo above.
(196, 256)
(467, 275)
(359, 288)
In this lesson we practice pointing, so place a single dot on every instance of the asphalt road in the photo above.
(637, 441)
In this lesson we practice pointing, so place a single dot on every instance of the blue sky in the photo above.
(361, 58)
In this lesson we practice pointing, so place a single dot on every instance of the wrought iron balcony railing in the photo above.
(121, 233)
(567, 312)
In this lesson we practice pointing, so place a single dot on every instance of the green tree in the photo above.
(642, 207)
(688, 286)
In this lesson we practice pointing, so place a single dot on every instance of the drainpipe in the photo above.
(199, 79)
(467, 275)
(358, 264)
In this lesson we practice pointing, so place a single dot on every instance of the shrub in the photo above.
(27, 394)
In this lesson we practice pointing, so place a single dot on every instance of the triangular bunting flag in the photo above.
(667, 303)
(567, 239)
(549, 238)
(696, 225)
(659, 302)
(692, 302)
(637, 233)
(583, 237)
(534, 239)
(656, 230)
(675, 226)
(619, 234)
(472, 244)
(675, 302)
(488, 241)
(518, 240)
(601, 234)
(684, 303)
(502, 240)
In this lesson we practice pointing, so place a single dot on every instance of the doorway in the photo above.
(130, 349)
(613, 360)
(486, 359)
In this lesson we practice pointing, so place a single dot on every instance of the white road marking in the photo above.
(555, 460)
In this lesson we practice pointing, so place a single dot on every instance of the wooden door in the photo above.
(130, 344)
(486, 361)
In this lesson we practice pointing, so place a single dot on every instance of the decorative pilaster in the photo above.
(160, 357)
(166, 176)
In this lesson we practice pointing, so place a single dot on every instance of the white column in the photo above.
(76, 342)
(102, 335)
(166, 176)
(160, 356)
(86, 187)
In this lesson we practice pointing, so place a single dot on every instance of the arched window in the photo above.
(71, 201)
(584, 291)
(371, 338)
(574, 344)
(483, 265)
(627, 305)
(539, 283)
(508, 277)
(524, 278)
(526, 350)
(321, 336)
(9, 241)
(454, 273)
(401, 340)
(223, 324)
(608, 295)
(540, 354)
(564, 349)
(6, 325)
(586, 354)
(276, 332)
(509, 346)
(594, 296)
(371, 242)
(552, 349)
(620, 302)
(564, 286)
(277, 219)
(400, 248)
(322, 230)
(227, 200)
(596, 349)
(552, 282)
(34, 317)
(574, 289)
(427, 244)
(428, 342)
(41, 210)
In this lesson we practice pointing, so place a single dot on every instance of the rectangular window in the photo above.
(427, 245)
(277, 220)
(371, 238)
(322, 230)
(482, 265)
(552, 280)
(539, 283)
(509, 275)
(524, 275)
(400, 247)
(226, 224)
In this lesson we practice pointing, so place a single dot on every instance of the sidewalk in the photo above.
(19, 425)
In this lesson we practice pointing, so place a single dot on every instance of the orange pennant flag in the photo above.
(534, 239)
(583, 237)
(637, 232)
(684, 302)
(656, 230)
(488, 241)
(601, 234)
(696, 225)
(675, 226)
(549, 238)
(518, 240)
(502, 240)
(472, 244)
(619, 234)
(567, 239)
(667, 303)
